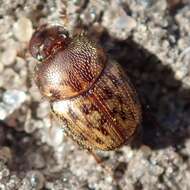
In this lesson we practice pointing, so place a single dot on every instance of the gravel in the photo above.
(151, 40)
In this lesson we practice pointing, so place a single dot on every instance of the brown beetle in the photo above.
(91, 94)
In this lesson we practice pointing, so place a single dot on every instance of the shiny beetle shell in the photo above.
(90, 94)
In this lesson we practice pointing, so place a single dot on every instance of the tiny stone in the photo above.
(32, 124)
(4, 173)
(36, 179)
(118, 23)
(91, 15)
(34, 92)
(14, 97)
(13, 182)
(23, 29)
(145, 3)
(5, 154)
(9, 56)
(20, 63)
(2, 187)
(146, 150)
(9, 79)
(157, 58)
(125, 23)
(55, 136)
(43, 109)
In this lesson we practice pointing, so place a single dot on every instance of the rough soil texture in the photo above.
(151, 40)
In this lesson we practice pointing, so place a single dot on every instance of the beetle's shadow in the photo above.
(164, 101)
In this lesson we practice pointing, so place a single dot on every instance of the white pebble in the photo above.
(8, 56)
(23, 29)
(14, 97)
(56, 136)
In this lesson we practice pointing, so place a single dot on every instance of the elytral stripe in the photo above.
(103, 107)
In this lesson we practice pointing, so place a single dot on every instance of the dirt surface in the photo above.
(151, 40)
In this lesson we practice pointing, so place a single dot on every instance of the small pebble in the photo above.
(9, 56)
(5, 154)
(36, 179)
(43, 109)
(152, 58)
(55, 136)
(118, 23)
(12, 100)
(14, 97)
(145, 3)
(23, 29)
(20, 63)
(10, 79)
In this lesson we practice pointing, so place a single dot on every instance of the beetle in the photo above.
(91, 94)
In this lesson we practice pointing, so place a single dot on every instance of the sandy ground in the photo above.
(151, 40)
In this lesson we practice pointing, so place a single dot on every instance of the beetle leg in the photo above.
(100, 161)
